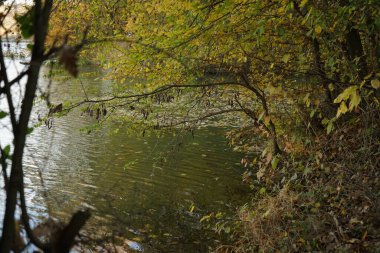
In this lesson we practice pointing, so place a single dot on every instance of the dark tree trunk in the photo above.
(20, 128)
(355, 50)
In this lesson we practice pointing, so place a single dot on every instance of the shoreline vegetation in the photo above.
(300, 79)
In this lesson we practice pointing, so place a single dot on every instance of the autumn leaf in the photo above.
(342, 109)
(375, 84)
(318, 30)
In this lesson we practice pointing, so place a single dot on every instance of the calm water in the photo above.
(140, 188)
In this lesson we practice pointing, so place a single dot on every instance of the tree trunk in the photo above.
(42, 13)
(355, 50)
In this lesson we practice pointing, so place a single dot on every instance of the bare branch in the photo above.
(158, 90)
(201, 118)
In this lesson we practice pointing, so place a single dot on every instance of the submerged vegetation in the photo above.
(299, 82)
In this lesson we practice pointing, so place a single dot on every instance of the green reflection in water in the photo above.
(138, 187)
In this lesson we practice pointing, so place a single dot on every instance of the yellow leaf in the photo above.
(303, 3)
(318, 29)
(286, 58)
(364, 235)
(346, 94)
(266, 120)
(354, 100)
(137, 239)
(375, 84)
(331, 87)
(192, 208)
(261, 116)
(342, 109)
(301, 240)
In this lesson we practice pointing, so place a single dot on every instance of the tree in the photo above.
(33, 23)
(266, 58)
(293, 71)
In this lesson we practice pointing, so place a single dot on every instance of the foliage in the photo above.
(287, 74)
(324, 198)
(256, 57)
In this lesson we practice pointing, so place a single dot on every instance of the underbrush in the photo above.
(323, 199)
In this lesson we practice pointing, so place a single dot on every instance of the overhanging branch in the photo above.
(148, 94)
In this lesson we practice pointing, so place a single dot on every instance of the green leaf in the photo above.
(307, 171)
(260, 30)
(3, 114)
(274, 162)
(29, 130)
(26, 23)
(6, 151)
(281, 31)
(329, 127)
(312, 113)
(286, 58)
(377, 23)
(306, 100)
(30, 46)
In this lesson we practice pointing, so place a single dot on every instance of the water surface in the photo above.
(140, 188)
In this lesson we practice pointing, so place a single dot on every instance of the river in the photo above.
(151, 190)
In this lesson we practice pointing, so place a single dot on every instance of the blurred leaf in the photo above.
(29, 130)
(206, 217)
(6, 150)
(275, 161)
(375, 84)
(286, 58)
(329, 127)
(342, 109)
(3, 114)
(26, 23)
(68, 58)
(303, 3)
(318, 29)
(266, 120)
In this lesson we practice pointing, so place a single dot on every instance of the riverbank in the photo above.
(325, 198)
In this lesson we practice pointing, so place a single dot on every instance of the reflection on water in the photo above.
(138, 187)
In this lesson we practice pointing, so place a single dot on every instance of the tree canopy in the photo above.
(260, 58)
(286, 75)
(292, 73)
